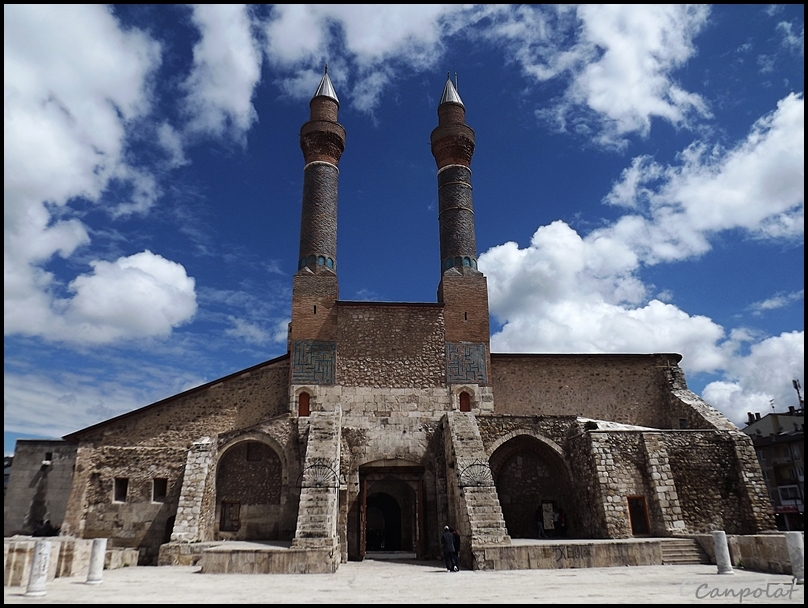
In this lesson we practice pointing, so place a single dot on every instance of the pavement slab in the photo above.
(408, 581)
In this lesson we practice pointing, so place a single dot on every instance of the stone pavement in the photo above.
(423, 582)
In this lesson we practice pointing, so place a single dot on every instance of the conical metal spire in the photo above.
(326, 89)
(450, 93)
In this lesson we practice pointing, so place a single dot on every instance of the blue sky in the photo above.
(638, 187)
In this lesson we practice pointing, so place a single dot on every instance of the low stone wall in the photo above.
(568, 555)
(227, 560)
(183, 554)
(759, 552)
(69, 557)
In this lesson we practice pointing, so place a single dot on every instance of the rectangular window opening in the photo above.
(159, 489)
(121, 489)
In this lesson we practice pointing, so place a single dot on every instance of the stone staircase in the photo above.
(472, 480)
(682, 551)
(317, 513)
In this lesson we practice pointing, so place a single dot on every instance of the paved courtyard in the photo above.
(423, 582)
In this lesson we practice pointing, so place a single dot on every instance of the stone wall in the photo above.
(716, 490)
(390, 345)
(759, 552)
(38, 489)
(69, 557)
(153, 443)
(630, 389)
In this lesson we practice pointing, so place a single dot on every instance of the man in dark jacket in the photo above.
(447, 544)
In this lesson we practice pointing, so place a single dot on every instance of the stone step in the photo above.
(683, 551)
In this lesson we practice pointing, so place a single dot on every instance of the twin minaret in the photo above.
(322, 140)
(463, 288)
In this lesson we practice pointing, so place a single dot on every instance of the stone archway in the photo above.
(389, 514)
(529, 474)
(249, 485)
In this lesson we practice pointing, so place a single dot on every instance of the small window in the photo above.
(48, 455)
(303, 404)
(159, 489)
(229, 521)
(121, 489)
(465, 402)
(682, 423)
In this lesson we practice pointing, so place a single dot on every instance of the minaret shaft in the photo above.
(314, 287)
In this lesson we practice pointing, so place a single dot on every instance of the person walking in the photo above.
(447, 544)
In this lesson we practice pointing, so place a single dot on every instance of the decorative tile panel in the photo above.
(313, 362)
(466, 363)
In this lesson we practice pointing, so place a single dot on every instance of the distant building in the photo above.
(7, 460)
(38, 485)
(779, 440)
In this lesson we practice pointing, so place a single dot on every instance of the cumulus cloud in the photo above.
(227, 67)
(566, 292)
(75, 83)
(618, 62)
(139, 296)
(763, 377)
(758, 186)
(72, 81)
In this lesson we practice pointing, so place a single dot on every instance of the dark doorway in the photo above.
(383, 523)
(639, 516)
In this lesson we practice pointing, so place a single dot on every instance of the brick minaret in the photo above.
(315, 289)
(463, 289)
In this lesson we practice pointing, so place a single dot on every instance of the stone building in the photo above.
(779, 440)
(384, 421)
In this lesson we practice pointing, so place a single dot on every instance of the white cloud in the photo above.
(75, 83)
(758, 186)
(227, 67)
(570, 293)
(244, 330)
(780, 300)
(171, 141)
(139, 296)
(72, 79)
(619, 61)
(54, 408)
(794, 41)
(361, 42)
(564, 293)
(765, 374)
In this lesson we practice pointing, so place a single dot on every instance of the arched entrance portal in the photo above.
(389, 514)
(248, 493)
(532, 484)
